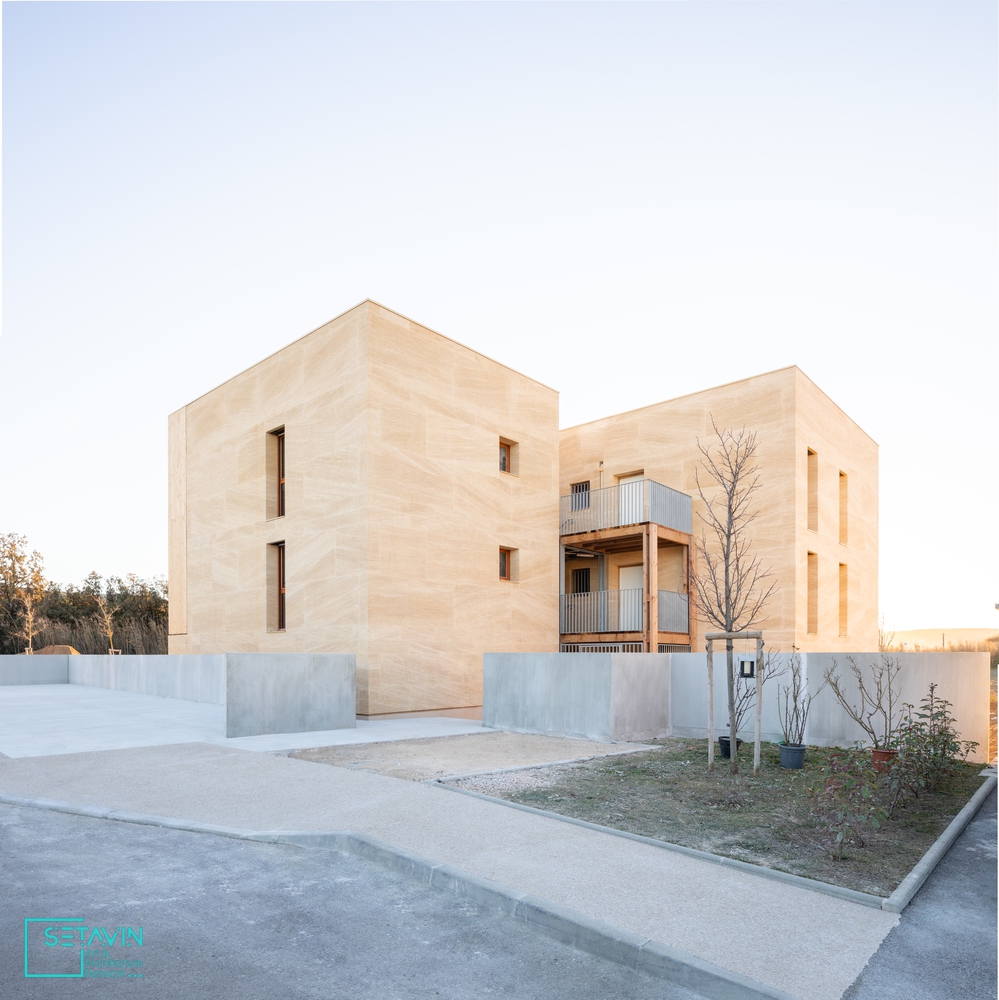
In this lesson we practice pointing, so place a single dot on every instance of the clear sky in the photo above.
(627, 202)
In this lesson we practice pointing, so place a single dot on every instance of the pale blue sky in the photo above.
(727, 188)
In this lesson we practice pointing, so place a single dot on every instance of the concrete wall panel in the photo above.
(189, 678)
(34, 669)
(289, 693)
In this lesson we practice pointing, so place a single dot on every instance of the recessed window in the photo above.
(813, 593)
(813, 491)
(509, 459)
(581, 581)
(275, 473)
(843, 497)
(506, 564)
(276, 588)
(580, 493)
(843, 584)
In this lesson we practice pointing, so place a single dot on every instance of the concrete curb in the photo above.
(912, 882)
(554, 921)
(528, 767)
(813, 885)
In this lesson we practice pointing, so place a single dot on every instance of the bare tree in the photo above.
(104, 616)
(886, 638)
(732, 586)
(22, 588)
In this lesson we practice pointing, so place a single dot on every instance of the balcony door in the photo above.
(631, 582)
(630, 499)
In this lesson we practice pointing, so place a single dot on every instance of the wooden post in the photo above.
(759, 703)
(711, 705)
(653, 587)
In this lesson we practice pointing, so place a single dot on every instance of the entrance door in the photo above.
(630, 499)
(632, 594)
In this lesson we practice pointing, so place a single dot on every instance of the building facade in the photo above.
(817, 523)
(373, 488)
(376, 488)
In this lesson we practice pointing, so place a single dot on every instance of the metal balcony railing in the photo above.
(673, 611)
(618, 611)
(627, 503)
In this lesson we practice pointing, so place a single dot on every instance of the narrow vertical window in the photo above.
(813, 593)
(275, 473)
(505, 563)
(843, 498)
(580, 495)
(277, 617)
(813, 491)
(842, 599)
(504, 457)
(581, 581)
(280, 473)
(509, 457)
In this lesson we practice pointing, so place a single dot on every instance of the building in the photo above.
(373, 488)
(817, 527)
(377, 488)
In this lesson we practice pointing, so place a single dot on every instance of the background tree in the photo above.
(22, 589)
(732, 586)
(104, 617)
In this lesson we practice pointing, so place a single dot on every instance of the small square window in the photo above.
(505, 563)
(747, 666)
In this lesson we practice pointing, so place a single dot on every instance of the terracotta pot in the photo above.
(882, 758)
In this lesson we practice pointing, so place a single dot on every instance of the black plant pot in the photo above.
(723, 746)
(792, 755)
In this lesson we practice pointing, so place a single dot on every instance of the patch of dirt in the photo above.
(441, 756)
(667, 793)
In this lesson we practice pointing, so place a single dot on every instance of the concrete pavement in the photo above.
(41, 719)
(945, 944)
(807, 944)
(234, 920)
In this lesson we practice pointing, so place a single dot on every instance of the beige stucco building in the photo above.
(376, 488)
(388, 540)
(817, 527)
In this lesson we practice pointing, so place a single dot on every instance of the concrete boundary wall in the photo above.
(262, 692)
(636, 696)
(289, 693)
(961, 678)
(189, 678)
(596, 696)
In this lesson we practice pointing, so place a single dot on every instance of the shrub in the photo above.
(846, 798)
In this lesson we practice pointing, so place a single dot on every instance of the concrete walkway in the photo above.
(945, 943)
(41, 719)
(807, 944)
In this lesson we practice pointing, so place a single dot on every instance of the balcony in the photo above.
(619, 611)
(627, 503)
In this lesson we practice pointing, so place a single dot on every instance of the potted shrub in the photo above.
(876, 714)
(793, 703)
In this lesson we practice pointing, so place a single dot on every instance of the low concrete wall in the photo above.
(597, 696)
(34, 669)
(289, 692)
(189, 678)
(962, 678)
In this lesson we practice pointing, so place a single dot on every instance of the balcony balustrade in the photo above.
(627, 503)
(619, 611)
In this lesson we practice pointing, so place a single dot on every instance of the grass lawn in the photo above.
(668, 794)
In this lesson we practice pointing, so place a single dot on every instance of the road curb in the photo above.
(912, 882)
(554, 921)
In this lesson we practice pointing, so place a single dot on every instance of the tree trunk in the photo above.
(733, 735)
(711, 706)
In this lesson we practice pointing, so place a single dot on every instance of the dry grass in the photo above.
(668, 794)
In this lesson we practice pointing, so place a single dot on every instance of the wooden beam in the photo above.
(632, 532)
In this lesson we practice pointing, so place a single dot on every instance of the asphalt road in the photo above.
(944, 947)
(223, 918)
